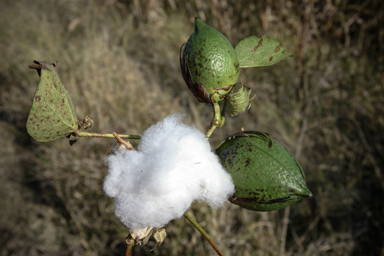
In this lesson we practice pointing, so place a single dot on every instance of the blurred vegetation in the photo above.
(120, 62)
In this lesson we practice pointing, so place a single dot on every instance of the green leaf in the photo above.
(255, 51)
(266, 176)
(52, 115)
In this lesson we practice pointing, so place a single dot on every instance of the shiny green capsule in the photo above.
(267, 177)
(209, 64)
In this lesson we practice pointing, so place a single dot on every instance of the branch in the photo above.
(122, 142)
(106, 135)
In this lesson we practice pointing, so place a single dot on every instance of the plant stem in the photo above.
(130, 243)
(217, 121)
(107, 135)
(202, 231)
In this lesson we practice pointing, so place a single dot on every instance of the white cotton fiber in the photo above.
(174, 166)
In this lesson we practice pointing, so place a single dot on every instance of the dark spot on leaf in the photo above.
(37, 98)
(258, 45)
(270, 59)
(278, 48)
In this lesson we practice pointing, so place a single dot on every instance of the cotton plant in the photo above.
(160, 180)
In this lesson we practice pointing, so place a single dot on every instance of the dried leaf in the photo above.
(146, 238)
(141, 235)
(160, 235)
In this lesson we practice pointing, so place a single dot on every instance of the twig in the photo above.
(123, 142)
(202, 231)
(106, 135)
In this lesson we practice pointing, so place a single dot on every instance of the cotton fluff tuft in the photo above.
(173, 167)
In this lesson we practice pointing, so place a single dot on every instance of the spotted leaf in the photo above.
(256, 51)
(52, 115)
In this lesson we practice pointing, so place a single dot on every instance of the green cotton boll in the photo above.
(209, 64)
(266, 176)
(238, 101)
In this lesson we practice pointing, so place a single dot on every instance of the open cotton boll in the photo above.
(173, 167)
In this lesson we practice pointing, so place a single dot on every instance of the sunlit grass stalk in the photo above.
(202, 231)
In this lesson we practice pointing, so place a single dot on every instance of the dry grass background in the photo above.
(119, 61)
